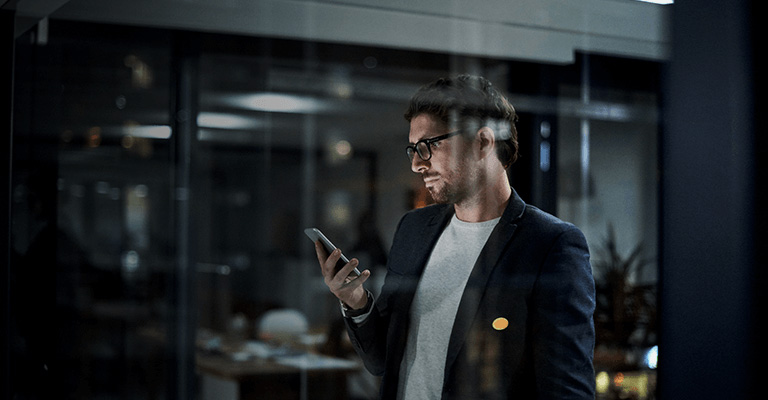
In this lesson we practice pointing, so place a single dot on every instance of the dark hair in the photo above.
(468, 103)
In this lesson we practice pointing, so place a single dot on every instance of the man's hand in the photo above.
(348, 289)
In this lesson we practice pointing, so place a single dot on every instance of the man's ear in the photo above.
(486, 141)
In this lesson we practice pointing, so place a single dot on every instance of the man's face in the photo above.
(447, 174)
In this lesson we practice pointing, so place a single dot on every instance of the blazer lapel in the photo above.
(419, 254)
(478, 279)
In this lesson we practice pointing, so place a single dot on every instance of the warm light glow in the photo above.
(127, 142)
(500, 323)
(343, 90)
(343, 148)
(618, 379)
(94, 137)
(633, 385)
(339, 150)
(602, 382)
(340, 214)
(141, 73)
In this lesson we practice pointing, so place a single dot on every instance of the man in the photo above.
(485, 296)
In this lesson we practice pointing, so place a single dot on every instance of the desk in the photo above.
(224, 378)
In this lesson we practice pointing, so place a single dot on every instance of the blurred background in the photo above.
(165, 157)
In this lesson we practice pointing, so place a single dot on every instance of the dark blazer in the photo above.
(534, 271)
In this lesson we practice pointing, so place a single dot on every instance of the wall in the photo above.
(538, 30)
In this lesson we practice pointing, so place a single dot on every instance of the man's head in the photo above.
(466, 104)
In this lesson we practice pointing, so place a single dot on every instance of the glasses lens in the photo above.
(409, 151)
(423, 149)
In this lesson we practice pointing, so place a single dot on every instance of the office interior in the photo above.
(165, 157)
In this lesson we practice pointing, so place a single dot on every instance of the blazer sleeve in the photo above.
(369, 340)
(370, 337)
(563, 332)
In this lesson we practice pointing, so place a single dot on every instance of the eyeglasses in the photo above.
(424, 146)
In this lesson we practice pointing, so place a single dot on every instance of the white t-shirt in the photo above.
(435, 304)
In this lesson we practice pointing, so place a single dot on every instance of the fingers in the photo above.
(351, 290)
(327, 261)
(343, 283)
(344, 279)
(320, 252)
(346, 271)
(358, 280)
(336, 274)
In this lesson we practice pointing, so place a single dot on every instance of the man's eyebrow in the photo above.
(425, 138)
(414, 143)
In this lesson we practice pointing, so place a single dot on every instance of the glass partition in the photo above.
(294, 135)
(608, 186)
(91, 210)
(284, 135)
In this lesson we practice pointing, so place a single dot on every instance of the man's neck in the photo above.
(488, 203)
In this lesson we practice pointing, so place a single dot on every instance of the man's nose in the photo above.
(418, 165)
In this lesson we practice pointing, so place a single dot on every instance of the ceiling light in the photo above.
(276, 102)
(662, 2)
(226, 121)
(148, 131)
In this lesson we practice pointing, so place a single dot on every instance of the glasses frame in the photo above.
(412, 149)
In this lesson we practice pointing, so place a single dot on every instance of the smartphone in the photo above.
(314, 234)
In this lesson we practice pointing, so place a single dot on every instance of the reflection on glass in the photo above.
(91, 154)
(607, 185)
(286, 139)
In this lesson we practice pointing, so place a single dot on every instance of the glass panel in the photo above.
(289, 135)
(608, 186)
(294, 135)
(90, 213)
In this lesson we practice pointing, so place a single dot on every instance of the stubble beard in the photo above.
(454, 188)
(443, 195)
